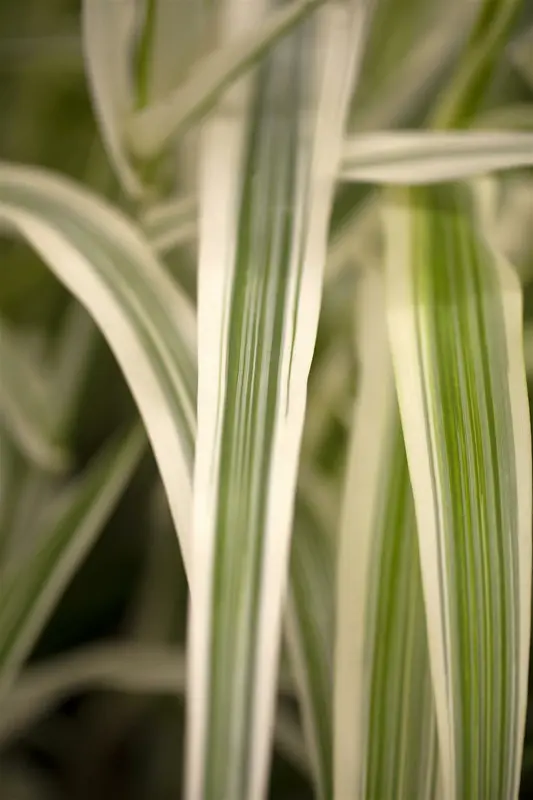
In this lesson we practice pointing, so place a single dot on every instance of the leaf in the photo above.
(108, 32)
(419, 157)
(309, 624)
(174, 34)
(171, 224)
(521, 52)
(404, 65)
(466, 91)
(455, 323)
(265, 200)
(25, 406)
(31, 585)
(151, 128)
(385, 731)
(123, 667)
(149, 324)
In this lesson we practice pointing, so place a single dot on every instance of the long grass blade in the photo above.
(122, 667)
(108, 30)
(151, 128)
(385, 731)
(455, 321)
(26, 404)
(419, 157)
(262, 250)
(148, 322)
(309, 629)
(31, 584)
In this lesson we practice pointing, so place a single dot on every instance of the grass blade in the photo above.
(149, 324)
(385, 731)
(151, 128)
(122, 667)
(262, 250)
(419, 157)
(25, 404)
(171, 224)
(309, 629)
(455, 321)
(108, 32)
(31, 584)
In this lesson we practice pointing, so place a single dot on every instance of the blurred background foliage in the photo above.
(99, 743)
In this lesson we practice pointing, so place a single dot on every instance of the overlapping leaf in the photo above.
(385, 731)
(455, 317)
(31, 584)
(264, 207)
(147, 321)
(413, 157)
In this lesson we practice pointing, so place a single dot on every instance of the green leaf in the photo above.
(123, 667)
(521, 51)
(150, 327)
(32, 583)
(455, 322)
(309, 625)
(108, 30)
(385, 731)
(25, 403)
(466, 91)
(151, 128)
(404, 65)
(149, 324)
(418, 157)
(171, 224)
(264, 201)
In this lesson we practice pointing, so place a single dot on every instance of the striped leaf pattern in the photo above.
(148, 322)
(413, 157)
(385, 729)
(455, 318)
(262, 249)
(107, 266)
(310, 625)
(31, 584)
(25, 403)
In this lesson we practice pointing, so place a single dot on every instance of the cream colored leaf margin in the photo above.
(455, 323)
(385, 731)
(262, 251)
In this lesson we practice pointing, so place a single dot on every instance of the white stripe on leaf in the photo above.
(385, 732)
(262, 251)
(455, 316)
(419, 157)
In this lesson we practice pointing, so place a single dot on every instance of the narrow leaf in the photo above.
(455, 322)
(31, 585)
(151, 128)
(123, 667)
(262, 250)
(25, 403)
(419, 157)
(171, 224)
(309, 629)
(385, 731)
(521, 51)
(108, 33)
(149, 324)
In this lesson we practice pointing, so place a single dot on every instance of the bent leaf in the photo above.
(25, 404)
(418, 157)
(108, 32)
(149, 324)
(455, 321)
